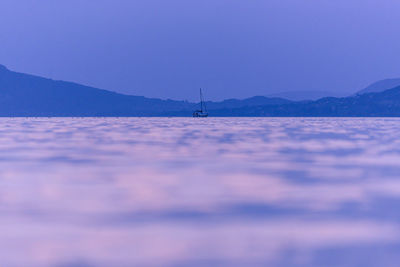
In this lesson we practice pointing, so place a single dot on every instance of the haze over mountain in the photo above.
(305, 95)
(381, 86)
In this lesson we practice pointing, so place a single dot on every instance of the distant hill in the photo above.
(383, 104)
(380, 86)
(252, 101)
(305, 95)
(28, 95)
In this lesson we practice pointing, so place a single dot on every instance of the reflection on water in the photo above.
(199, 192)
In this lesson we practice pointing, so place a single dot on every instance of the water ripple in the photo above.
(188, 192)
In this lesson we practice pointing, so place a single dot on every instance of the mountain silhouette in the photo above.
(305, 95)
(28, 95)
(380, 86)
(383, 104)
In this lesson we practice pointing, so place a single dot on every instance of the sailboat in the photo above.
(202, 112)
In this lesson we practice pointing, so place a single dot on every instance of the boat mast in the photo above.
(201, 101)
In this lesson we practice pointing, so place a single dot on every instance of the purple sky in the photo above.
(233, 48)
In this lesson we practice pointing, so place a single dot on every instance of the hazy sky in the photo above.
(232, 48)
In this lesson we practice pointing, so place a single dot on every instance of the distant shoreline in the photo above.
(23, 95)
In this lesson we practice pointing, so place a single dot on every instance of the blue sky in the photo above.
(232, 48)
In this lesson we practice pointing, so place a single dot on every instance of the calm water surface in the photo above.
(199, 192)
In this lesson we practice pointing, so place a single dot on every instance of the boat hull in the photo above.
(200, 115)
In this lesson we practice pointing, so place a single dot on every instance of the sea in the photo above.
(86, 192)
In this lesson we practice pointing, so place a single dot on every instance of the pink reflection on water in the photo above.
(158, 191)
